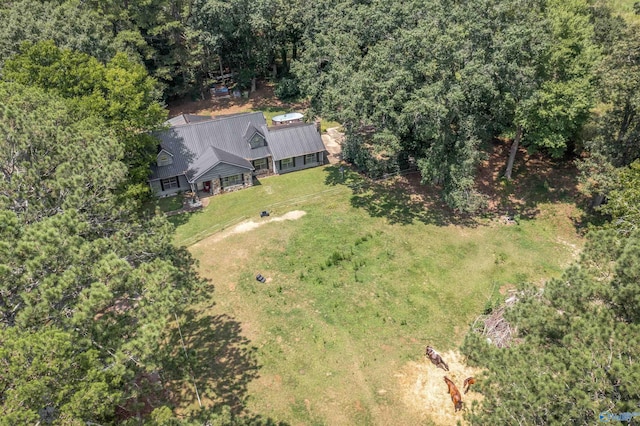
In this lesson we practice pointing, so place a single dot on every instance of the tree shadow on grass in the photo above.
(219, 361)
(400, 199)
(403, 199)
(537, 179)
(182, 218)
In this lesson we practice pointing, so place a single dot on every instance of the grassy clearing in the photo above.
(166, 204)
(339, 329)
(324, 125)
(271, 112)
(625, 9)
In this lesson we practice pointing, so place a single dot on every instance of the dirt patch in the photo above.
(507, 289)
(426, 392)
(262, 99)
(250, 225)
(333, 143)
(536, 178)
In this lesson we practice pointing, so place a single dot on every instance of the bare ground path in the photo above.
(332, 140)
(249, 225)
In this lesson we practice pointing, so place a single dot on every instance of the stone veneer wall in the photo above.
(216, 187)
(248, 179)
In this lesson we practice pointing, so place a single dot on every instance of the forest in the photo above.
(90, 280)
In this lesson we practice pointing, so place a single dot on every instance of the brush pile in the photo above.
(495, 327)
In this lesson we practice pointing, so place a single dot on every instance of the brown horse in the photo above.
(467, 383)
(456, 398)
(435, 358)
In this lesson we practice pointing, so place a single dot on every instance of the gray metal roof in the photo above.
(182, 119)
(190, 144)
(294, 141)
(260, 152)
(250, 130)
(178, 120)
(211, 158)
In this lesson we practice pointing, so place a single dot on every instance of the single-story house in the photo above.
(224, 154)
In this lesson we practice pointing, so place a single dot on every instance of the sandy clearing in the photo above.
(426, 392)
(332, 140)
(250, 225)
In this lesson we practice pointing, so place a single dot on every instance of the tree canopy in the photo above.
(88, 282)
(438, 84)
(69, 24)
(614, 143)
(86, 285)
(574, 355)
(119, 92)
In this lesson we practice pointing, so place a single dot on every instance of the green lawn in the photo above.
(271, 112)
(166, 204)
(356, 288)
(324, 125)
(277, 194)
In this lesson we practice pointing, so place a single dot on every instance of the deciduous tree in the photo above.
(615, 143)
(623, 199)
(120, 92)
(548, 77)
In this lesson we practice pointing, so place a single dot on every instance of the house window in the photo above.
(260, 164)
(170, 183)
(256, 141)
(287, 163)
(231, 181)
(310, 158)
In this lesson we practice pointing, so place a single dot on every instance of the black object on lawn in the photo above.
(264, 213)
(261, 278)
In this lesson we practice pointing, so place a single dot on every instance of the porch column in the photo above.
(216, 186)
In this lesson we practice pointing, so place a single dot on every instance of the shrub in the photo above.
(287, 89)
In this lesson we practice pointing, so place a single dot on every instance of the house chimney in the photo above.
(318, 126)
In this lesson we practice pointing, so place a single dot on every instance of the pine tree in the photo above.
(120, 92)
(87, 287)
(578, 343)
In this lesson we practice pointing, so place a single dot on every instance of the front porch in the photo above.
(220, 184)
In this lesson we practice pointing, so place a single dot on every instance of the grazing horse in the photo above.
(435, 358)
(456, 398)
(467, 383)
